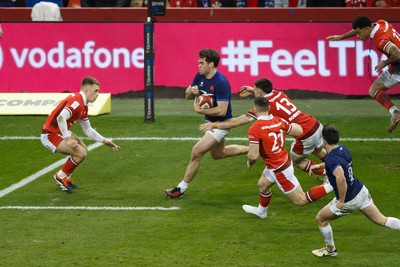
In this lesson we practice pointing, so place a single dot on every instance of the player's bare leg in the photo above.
(204, 145)
(377, 91)
(220, 151)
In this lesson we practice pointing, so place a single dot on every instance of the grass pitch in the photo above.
(209, 228)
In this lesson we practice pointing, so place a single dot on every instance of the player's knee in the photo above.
(320, 220)
(372, 91)
(81, 156)
(301, 201)
(217, 156)
(196, 154)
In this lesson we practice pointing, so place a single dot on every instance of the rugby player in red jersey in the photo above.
(387, 41)
(57, 137)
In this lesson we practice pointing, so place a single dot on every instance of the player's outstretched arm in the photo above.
(94, 135)
(348, 34)
(224, 125)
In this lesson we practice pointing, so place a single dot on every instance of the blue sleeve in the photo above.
(223, 91)
(196, 79)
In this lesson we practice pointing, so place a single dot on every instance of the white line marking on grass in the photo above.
(36, 175)
(84, 208)
(155, 138)
(95, 145)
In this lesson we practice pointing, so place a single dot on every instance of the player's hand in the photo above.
(191, 92)
(111, 144)
(334, 38)
(339, 204)
(205, 126)
(314, 167)
(380, 65)
(196, 106)
(246, 91)
(194, 90)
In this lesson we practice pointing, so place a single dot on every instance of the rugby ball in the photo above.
(205, 101)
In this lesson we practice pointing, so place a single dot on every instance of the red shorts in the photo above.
(51, 141)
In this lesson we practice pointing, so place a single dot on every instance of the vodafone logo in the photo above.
(1, 57)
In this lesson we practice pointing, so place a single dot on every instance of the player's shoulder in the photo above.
(275, 95)
(220, 78)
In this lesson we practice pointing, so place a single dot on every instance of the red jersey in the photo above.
(382, 34)
(77, 107)
(270, 133)
(282, 106)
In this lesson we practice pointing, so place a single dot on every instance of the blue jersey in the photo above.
(340, 156)
(219, 86)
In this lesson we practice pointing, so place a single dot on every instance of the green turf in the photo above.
(210, 229)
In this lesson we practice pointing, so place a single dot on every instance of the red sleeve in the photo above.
(251, 114)
(253, 134)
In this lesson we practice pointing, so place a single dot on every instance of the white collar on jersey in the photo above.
(375, 29)
(84, 98)
(265, 118)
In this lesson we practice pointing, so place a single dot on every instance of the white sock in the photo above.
(183, 186)
(328, 188)
(262, 209)
(393, 223)
(393, 110)
(61, 174)
(327, 235)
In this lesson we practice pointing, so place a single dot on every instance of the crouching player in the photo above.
(57, 137)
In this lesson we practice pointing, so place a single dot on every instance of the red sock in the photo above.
(315, 193)
(69, 166)
(317, 172)
(265, 199)
(383, 99)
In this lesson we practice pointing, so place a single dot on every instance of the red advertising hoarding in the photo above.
(54, 57)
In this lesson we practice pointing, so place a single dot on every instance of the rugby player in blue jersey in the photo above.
(210, 81)
(350, 193)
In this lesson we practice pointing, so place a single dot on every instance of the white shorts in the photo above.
(218, 134)
(390, 80)
(361, 201)
(308, 145)
(286, 180)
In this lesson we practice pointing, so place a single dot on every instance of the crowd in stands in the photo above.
(209, 3)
